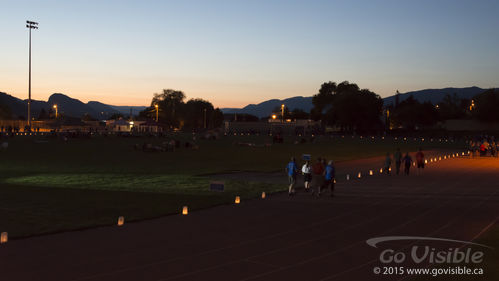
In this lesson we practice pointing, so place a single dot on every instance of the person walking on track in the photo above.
(317, 176)
(291, 170)
(397, 156)
(330, 175)
(420, 161)
(307, 175)
(407, 163)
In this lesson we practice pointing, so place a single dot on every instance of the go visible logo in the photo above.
(420, 254)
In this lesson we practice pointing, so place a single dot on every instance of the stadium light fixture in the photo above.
(30, 25)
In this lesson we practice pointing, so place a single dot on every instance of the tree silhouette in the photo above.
(410, 114)
(196, 112)
(486, 106)
(299, 114)
(173, 112)
(451, 107)
(218, 118)
(323, 101)
(170, 104)
(348, 107)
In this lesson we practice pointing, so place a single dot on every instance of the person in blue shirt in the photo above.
(292, 171)
(407, 162)
(330, 174)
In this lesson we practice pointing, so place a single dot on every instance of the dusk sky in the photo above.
(237, 52)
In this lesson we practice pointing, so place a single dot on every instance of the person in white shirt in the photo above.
(307, 175)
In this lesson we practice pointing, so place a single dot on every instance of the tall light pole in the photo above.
(30, 25)
(157, 112)
(56, 112)
(282, 112)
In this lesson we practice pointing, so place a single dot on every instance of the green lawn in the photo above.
(48, 185)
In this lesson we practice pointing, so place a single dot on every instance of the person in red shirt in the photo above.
(483, 149)
(420, 160)
(317, 176)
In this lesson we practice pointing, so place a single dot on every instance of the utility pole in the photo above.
(30, 25)
(205, 118)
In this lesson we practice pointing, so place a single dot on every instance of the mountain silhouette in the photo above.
(434, 96)
(66, 105)
(265, 108)
(72, 107)
(76, 108)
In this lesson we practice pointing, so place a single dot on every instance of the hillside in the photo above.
(305, 103)
(436, 95)
(66, 105)
(265, 108)
(76, 108)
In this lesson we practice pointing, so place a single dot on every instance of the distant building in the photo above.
(119, 125)
(148, 126)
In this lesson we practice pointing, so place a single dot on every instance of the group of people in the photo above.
(316, 177)
(406, 160)
(483, 145)
(321, 176)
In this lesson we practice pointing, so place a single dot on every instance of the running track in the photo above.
(278, 238)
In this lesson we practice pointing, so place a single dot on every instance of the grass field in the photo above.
(49, 185)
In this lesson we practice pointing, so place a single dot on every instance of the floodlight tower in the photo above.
(30, 25)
